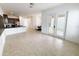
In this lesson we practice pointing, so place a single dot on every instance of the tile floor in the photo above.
(34, 43)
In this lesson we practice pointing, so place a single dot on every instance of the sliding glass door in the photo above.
(58, 26)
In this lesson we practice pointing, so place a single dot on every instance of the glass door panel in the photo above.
(60, 26)
(51, 27)
(57, 26)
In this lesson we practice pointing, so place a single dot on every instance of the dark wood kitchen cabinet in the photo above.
(1, 22)
(11, 21)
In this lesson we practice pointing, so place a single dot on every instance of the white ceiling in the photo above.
(23, 8)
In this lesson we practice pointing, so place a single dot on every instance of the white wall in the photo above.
(72, 23)
(24, 21)
(73, 26)
(35, 20)
(38, 20)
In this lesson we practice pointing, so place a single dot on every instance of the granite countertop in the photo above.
(2, 29)
(14, 27)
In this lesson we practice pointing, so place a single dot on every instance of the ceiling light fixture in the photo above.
(31, 5)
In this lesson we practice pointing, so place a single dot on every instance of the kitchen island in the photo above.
(9, 31)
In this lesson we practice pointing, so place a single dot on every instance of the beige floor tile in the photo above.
(34, 43)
